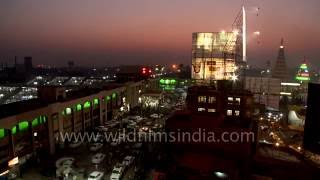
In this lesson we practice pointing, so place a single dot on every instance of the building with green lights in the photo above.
(27, 126)
(303, 73)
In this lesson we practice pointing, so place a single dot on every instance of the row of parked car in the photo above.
(120, 168)
(117, 171)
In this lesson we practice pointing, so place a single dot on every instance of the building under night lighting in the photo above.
(214, 55)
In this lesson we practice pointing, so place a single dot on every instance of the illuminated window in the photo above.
(114, 95)
(211, 110)
(35, 122)
(96, 101)
(2, 133)
(238, 100)
(79, 107)
(211, 99)
(201, 109)
(229, 112)
(237, 113)
(68, 111)
(42, 119)
(86, 105)
(14, 130)
(108, 98)
(23, 126)
(230, 98)
(202, 99)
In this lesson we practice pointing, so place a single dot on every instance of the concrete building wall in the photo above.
(266, 90)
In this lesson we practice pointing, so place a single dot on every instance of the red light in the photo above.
(143, 69)
(143, 72)
(150, 71)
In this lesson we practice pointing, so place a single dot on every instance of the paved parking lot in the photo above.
(83, 166)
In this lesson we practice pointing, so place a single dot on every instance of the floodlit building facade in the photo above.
(215, 55)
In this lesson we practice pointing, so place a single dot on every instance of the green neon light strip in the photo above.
(304, 66)
(168, 81)
(299, 78)
(2, 133)
(114, 95)
(168, 87)
(108, 98)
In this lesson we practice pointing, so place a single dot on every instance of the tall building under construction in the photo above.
(280, 70)
(219, 55)
(213, 55)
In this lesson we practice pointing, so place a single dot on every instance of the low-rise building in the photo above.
(34, 125)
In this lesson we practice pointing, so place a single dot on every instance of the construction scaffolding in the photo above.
(214, 55)
(219, 55)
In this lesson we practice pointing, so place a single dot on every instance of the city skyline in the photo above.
(141, 32)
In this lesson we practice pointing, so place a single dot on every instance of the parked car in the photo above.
(155, 116)
(144, 129)
(118, 141)
(96, 146)
(64, 166)
(74, 144)
(63, 170)
(126, 120)
(65, 161)
(112, 124)
(117, 172)
(101, 128)
(98, 158)
(99, 138)
(132, 124)
(128, 160)
(114, 143)
(96, 175)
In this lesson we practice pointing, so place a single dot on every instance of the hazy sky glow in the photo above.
(108, 32)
